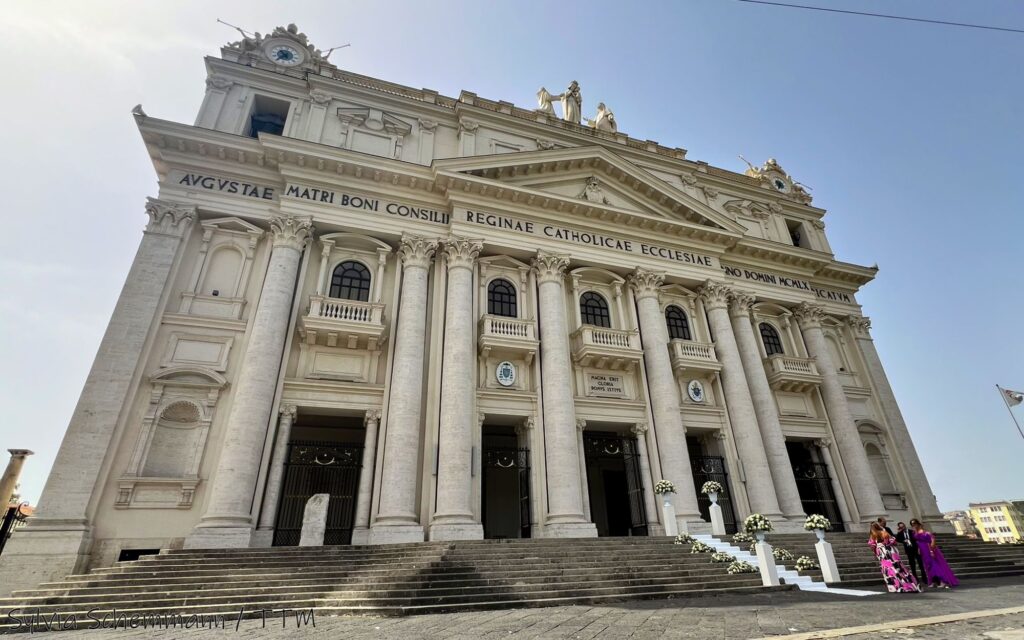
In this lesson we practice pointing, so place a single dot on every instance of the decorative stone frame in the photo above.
(874, 435)
(221, 234)
(513, 271)
(375, 123)
(689, 302)
(195, 386)
(341, 247)
(834, 330)
(781, 319)
(610, 286)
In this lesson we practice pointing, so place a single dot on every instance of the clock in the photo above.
(505, 373)
(695, 390)
(780, 184)
(284, 54)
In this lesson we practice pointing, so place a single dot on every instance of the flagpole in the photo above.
(1009, 410)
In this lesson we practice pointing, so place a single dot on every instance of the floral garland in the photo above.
(757, 523)
(817, 521)
(781, 554)
(741, 567)
(700, 547)
(742, 538)
(684, 538)
(804, 563)
(664, 486)
(711, 487)
(721, 556)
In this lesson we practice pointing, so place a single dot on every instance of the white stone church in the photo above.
(461, 319)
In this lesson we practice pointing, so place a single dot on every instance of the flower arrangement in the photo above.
(711, 487)
(700, 547)
(817, 521)
(753, 548)
(741, 567)
(664, 486)
(741, 538)
(684, 538)
(781, 554)
(803, 563)
(721, 556)
(757, 523)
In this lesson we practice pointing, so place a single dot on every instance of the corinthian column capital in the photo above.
(168, 217)
(859, 325)
(289, 411)
(808, 316)
(550, 267)
(639, 429)
(714, 294)
(461, 253)
(646, 284)
(291, 232)
(740, 303)
(416, 251)
(581, 424)
(373, 415)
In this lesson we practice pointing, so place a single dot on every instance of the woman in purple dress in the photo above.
(896, 577)
(935, 566)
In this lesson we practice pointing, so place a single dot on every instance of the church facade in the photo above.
(460, 319)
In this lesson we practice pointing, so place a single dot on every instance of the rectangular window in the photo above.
(797, 234)
(268, 115)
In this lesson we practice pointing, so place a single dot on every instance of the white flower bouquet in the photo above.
(684, 538)
(817, 521)
(663, 487)
(803, 563)
(757, 523)
(711, 487)
(781, 554)
(721, 556)
(741, 567)
(741, 538)
(700, 547)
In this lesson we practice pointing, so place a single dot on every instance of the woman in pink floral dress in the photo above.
(896, 577)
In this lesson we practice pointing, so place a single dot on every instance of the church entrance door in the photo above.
(314, 467)
(814, 484)
(614, 485)
(505, 489)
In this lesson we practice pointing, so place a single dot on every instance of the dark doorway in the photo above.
(708, 467)
(814, 484)
(314, 467)
(505, 486)
(615, 485)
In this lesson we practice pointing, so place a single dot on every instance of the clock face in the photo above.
(285, 55)
(695, 390)
(780, 184)
(505, 373)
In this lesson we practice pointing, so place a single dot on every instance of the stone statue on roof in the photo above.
(604, 120)
(572, 103)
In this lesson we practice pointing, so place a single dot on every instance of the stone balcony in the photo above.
(615, 349)
(787, 373)
(343, 323)
(689, 357)
(503, 335)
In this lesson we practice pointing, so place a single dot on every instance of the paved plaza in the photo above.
(992, 609)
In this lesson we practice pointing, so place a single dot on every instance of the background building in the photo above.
(1000, 521)
(962, 523)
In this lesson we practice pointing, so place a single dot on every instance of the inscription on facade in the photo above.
(785, 281)
(357, 202)
(225, 185)
(605, 385)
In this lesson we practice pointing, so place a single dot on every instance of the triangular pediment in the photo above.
(590, 176)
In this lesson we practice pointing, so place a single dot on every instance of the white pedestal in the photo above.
(314, 521)
(668, 512)
(766, 563)
(717, 520)
(827, 561)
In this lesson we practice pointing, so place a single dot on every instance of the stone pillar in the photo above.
(922, 498)
(765, 408)
(453, 515)
(314, 520)
(361, 528)
(397, 520)
(275, 478)
(227, 521)
(57, 541)
(565, 517)
(664, 395)
(760, 489)
(824, 447)
(855, 460)
(581, 426)
(11, 474)
(650, 502)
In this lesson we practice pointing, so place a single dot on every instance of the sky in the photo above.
(909, 135)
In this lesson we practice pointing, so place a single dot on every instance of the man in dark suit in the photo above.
(881, 523)
(911, 552)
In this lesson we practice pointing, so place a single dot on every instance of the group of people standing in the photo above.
(921, 551)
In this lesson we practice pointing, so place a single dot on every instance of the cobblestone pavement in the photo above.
(720, 618)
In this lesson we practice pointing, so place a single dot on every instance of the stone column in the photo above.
(11, 474)
(766, 409)
(565, 517)
(397, 520)
(453, 515)
(275, 478)
(581, 426)
(227, 521)
(664, 395)
(361, 528)
(922, 498)
(824, 447)
(760, 490)
(855, 460)
(57, 540)
(650, 502)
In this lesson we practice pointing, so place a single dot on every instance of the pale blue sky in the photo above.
(909, 134)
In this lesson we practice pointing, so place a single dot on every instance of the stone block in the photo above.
(314, 521)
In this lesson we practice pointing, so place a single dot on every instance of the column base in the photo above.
(456, 531)
(44, 552)
(792, 525)
(219, 538)
(693, 526)
(570, 530)
(262, 539)
(361, 535)
(937, 524)
(395, 534)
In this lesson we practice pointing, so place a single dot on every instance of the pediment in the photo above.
(590, 176)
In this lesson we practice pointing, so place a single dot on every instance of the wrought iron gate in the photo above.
(319, 467)
(622, 448)
(11, 519)
(518, 459)
(815, 487)
(713, 468)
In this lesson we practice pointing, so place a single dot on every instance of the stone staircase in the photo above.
(388, 580)
(969, 559)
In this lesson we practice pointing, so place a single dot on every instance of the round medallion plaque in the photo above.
(695, 390)
(505, 373)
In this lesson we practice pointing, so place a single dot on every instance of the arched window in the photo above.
(678, 325)
(594, 310)
(351, 281)
(879, 468)
(501, 299)
(770, 338)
